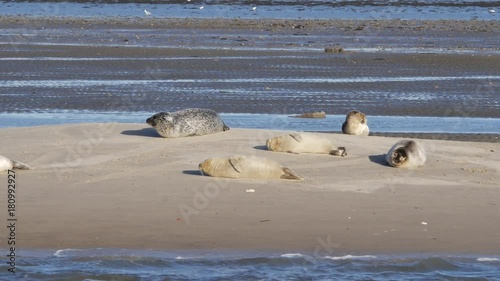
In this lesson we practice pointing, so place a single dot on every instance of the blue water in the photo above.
(118, 264)
(381, 124)
(322, 9)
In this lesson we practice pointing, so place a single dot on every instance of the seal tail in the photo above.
(290, 175)
(224, 127)
(20, 165)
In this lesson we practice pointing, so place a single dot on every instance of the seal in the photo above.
(187, 122)
(236, 167)
(316, 114)
(406, 154)
(7, 164)
(355, 124)
(304, 143)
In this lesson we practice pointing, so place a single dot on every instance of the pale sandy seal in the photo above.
(304, 143)
(187, 122)
(7, 164)
(236, 167)
(406, 154)
(355, 124)
(316, 114)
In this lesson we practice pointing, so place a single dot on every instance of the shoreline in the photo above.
(122, 187)
(346, 24)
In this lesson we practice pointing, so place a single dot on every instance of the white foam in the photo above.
(60, 253)
(292, 255)
(351, 257)
(71, 83)
(488, 259)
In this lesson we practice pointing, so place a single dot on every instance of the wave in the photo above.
(351, 257)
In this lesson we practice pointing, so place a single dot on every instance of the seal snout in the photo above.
(151, 121)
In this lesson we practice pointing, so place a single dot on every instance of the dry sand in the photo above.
(122, 186)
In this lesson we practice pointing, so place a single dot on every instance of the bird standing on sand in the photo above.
(146, 12)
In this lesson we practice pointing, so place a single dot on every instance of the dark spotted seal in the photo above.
(406, 154)
(187, 122)
(355, 124)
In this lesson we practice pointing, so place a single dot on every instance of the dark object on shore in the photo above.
(317, 114)
(334, 50)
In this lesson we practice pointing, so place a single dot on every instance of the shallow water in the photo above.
(122, 264)
(380, 124)
(322, 9)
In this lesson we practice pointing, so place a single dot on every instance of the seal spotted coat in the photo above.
(187, 122)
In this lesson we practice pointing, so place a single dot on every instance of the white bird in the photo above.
(201, 7)
(254, 8)
(492, 11)
(147, 12)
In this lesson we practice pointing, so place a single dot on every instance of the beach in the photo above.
(121, 186)
(108, 199)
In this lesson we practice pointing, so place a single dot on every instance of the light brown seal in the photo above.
(304, 143)
(238, 166)
(7, 164)
(316, 114)
(406, 154)
(355, 124)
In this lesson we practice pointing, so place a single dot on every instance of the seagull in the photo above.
(492, 11)
(147, 12)
(254, 8)
(201, 7)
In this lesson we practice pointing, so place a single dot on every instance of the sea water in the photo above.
(319, 9)
(122, 264)
(378, 124)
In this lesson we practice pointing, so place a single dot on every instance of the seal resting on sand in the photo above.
(7, 164)
(304, 143)
(355, 124)
(237, 167)
(187, 122)
(406, 154)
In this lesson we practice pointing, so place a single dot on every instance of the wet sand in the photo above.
(122, 186)
(388, 67)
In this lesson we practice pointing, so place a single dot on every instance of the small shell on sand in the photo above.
(317, 114)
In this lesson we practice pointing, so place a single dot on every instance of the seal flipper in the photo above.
(20, 165)
(224, 127)
(290, 175)
(235, 163)
(296, 137)
(340, 151)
